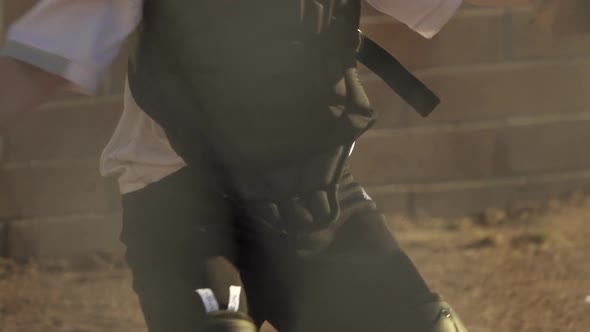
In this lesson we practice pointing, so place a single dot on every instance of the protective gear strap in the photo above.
(397, 77)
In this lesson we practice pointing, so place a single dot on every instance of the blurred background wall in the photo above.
(514, 126)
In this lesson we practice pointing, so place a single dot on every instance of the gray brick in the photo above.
(69, 188)
(557, 146)
(68, 130)
(390, 203)
(457, 202)
(404, 156)
(499, 91)
(470, 37)
(3, 239)
(530, 41)
(2, 149)
(64, 236)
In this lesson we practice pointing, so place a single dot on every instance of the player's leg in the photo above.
(179, 238)
(367, 279)
(363, 281)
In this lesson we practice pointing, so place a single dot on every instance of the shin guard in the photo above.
(227, 321)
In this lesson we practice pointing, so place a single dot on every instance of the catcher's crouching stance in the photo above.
(263, 102)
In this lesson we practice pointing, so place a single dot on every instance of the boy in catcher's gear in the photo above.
(269, 113)
(253, 213)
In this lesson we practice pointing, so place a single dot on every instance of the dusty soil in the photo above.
(526, 269)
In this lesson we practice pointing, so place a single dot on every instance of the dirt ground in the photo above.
(524, 269)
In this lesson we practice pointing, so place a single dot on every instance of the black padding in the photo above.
(319, 204)
(225, 321)
(434, 315)
(295, 213)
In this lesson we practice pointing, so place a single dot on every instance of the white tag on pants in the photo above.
(209, 299)
(234, 298)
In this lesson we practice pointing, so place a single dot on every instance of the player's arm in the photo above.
(24, 87)
(61, 44)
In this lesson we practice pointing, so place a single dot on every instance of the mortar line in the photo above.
(495, 182)
(512, 121)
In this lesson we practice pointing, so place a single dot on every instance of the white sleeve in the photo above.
(76, 39)
(426, 17)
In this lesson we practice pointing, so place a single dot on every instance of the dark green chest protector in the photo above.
(266, 89)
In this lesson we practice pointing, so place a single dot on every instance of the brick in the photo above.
(499, 91)
(468, 201)
(528, 40)
(564, 17)
(459, 203)
(52, 190)
(472, 37)
(64, 236)
(555, 146)
(75, 130)
(3, 239)
(404, 156)
(2, 148)
(6, 200)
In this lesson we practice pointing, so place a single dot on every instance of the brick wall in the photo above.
(53, 201)
(512, 126)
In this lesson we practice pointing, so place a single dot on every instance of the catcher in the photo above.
(231, 154)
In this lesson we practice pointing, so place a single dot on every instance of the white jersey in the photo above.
(79, 39)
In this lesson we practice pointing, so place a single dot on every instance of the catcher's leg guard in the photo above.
(227, 321)
(438, 316)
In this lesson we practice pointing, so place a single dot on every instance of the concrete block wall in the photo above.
(513, 126)
(53, 201)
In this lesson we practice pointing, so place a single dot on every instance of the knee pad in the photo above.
(228, 321)
(438, 316)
